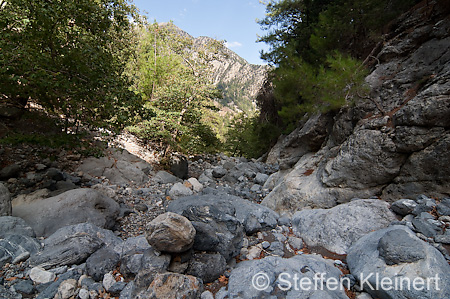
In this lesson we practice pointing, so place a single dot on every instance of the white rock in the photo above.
(207, 295)
(196, 186)
(83, 294)
(67, 289)
(254, 252)
(39, 275)
(108, 281)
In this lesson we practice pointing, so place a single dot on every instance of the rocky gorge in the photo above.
(359, 199)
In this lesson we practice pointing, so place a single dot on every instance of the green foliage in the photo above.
(314, 48)
(304, 88)
(69, 56)
(171, 74)
(248, 137)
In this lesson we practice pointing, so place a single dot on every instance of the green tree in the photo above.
(315, 47)
(69, 56)
(172, 76)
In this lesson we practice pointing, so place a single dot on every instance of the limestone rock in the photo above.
(393, 253)
(72, 207)
(176, 286)
(170, 232)
(261, 278)
(338, 228)
(39, 275)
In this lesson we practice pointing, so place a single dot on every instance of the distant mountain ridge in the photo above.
(239, 80)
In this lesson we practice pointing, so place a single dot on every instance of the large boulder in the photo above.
(302, 187)
(62, 249)
(5, 201)
(338, 228)
(170, 232)
(276, 277)
(394, 263)
(119, 166)
(47, 215)
(221, 220)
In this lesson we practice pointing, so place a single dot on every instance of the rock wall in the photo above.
(401, 151)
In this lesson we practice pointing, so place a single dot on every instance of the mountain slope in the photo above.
(239, 80)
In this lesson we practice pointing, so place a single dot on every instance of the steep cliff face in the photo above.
(239, 80)
(399, 149)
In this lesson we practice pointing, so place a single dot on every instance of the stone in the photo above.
(40, 276)
(133, 244)
(302, 187)
(27, 243)
(336, 229)
(179, 190)
(170, 232)
(426, 227)
(71, 207)
(51, 289)
(66, 250)
(207, 266)
(24, 287)
(207, 295)
(108, 281)
(28, 198)
(196, 186)
(418, 261)
(443, 208)
(295, 243)
(120, 168)
(7, 294)
(276, 248)
(137, 260)
(397, 246)
(403, 207)
(11, 252)
(101, 262)
(269, 278)
(15, 226)
(163, 177)
(106, 236)
(445, 239)
(254, 252)
(220, 221)
(244, 211)
(421, 170)
(10, 171)
(176, 286)
(256, 188)
(17, 248)
(5, 201)
(219, 172)
(66, 289)
(261, 178)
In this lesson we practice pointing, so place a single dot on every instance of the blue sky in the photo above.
(230, 20)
